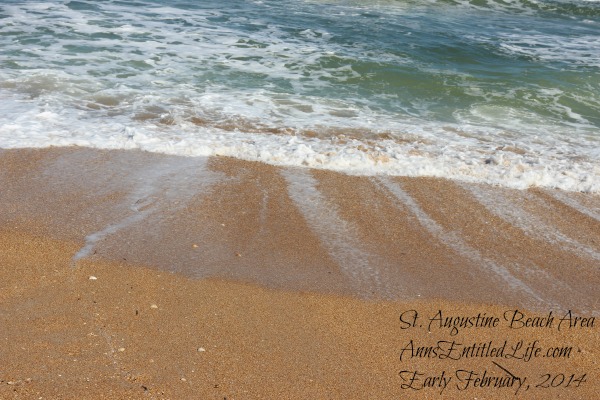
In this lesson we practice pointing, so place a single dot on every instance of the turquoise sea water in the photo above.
(496, 91)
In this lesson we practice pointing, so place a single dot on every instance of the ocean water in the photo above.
(499, 91)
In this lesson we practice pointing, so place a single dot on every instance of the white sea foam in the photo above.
(422, 149)
(260, 90)
(576, 50)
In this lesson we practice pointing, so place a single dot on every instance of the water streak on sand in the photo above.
(339, 236)
(306, 230)
(574, 203)
(164, 183)
(510, 211)
(454, 242)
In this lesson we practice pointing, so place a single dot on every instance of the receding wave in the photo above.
(506, 92)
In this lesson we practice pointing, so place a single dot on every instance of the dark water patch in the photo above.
(82, 6)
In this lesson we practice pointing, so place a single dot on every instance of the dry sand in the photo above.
(132, 275)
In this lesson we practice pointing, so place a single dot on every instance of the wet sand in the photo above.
(220, 278)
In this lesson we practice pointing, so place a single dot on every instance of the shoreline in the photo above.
(225, 278)
(371, 237)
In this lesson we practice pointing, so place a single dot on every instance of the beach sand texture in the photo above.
(127, 274)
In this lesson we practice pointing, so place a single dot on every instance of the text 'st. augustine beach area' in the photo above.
(299, 199)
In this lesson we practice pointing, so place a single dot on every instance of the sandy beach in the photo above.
(126, 274)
